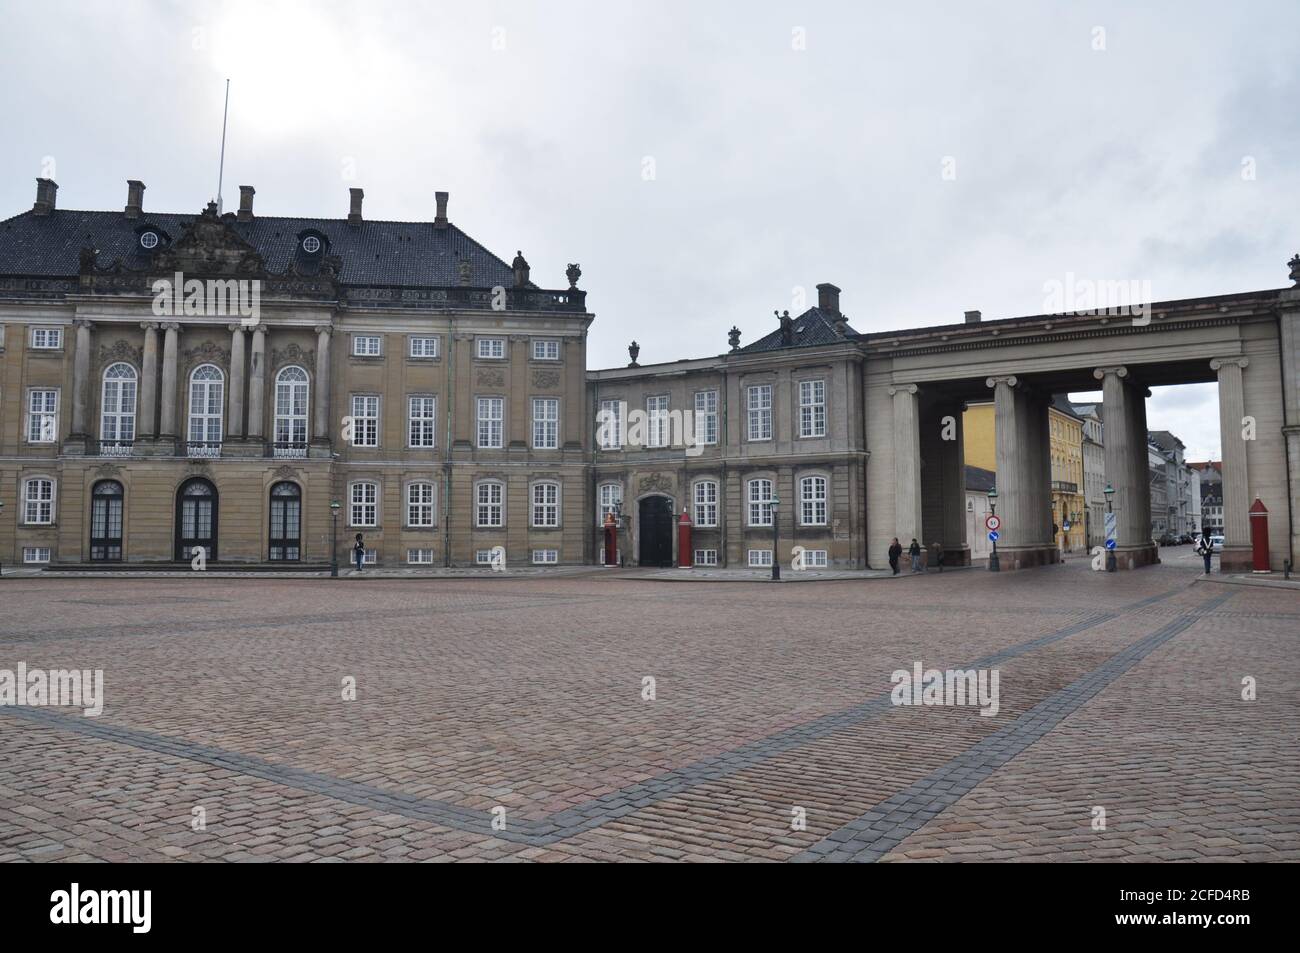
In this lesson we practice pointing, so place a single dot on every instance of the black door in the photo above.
(196, 519)
(286, 522)
(656, 527)
(106, 521)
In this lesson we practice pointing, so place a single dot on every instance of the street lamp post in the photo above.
(2, 513)
(1110, 553)
(334, 538)
(776, 536)
(994, 565)
(618, 521)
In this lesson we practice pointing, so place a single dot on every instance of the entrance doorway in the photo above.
(106, 521)
(196, 519)
(286, 522)
(656, 529)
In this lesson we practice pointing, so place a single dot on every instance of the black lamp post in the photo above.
(2, 513)
(618, 521)
(1110, 553)
(334, 538)
(776, 536)
(994, 565)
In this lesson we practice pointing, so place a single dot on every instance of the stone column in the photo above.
(1236, 489)
(167, 426)
(1023, 461)
(1040, 422)
(907, 463)
(148, 423)
(321, 415)
(952, 467)
(235, 415)
(1126, 466)
(1142, 514)
(80, 379)
(257, 383)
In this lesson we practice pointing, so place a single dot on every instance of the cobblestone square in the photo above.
(512, 719)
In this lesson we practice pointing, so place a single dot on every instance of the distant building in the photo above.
(1094, 472)
(1210, 478)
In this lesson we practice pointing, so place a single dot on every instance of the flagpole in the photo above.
(221, 170)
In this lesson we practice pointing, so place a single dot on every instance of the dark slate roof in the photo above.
(1062, 403)
(1164, 440)
(373, 253)
(979, 479)
(813, 327)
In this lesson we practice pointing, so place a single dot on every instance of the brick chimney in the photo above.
(354, 213)
(246, 193)
(134, 198)
(46, 190)
(972, 317)
(440, 219)
(828, 297)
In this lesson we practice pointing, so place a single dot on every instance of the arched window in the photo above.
(546, 504)
(812, 501)
(291, 410)
(207, 396)
(117, 408)
(419, 504)
(106, 521)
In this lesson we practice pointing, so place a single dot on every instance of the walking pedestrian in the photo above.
(895, 553)
(1206, 550)
(915, 552)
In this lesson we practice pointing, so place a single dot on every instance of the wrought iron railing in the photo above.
(288, 448)
(203, 448)
(114, 448)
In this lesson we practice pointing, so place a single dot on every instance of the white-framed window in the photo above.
(491, 422)
(207, 402)
(760, 502)
(608, 498)
(42, 416)
(546, 504)
(546, 349)
(656, 408)
(759, 406)
(291, 405)
(483, 557)
(546, 423)
(706, 503)
(365, 420)
(609, 425)
(419, 504)
(366, 345)
(364, 499)
(491, 349)
(36, 554)
(47, 339)
(369, 557)
(422, 347)
(812, 501)
(760, 557)
(421, 420)
(812, 408)
(488, 509)
(706, 416)
(419, 557)
(546, 557)
(311, 244)
(814, 558)
(117, 405)
(706, 557)
(38, 501)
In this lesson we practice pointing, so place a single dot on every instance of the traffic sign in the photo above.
(993, 535)
(993, 522)
(1066, 526)
(1110, 544)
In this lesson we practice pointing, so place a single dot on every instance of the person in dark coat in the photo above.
(915, 552)
(938, 556)
(359, 552)
(895, 553)
(1206, 549)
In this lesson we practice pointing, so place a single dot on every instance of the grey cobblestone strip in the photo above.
(874, 834)
(558, 826)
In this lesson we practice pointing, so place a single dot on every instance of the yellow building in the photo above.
(1067, 463)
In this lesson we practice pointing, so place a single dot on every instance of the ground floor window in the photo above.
(546, 556)
(419, 557)
(760, 557)
(814, 557)
(706, 557)
(36, 554)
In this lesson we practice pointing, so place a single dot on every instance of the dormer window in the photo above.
(148, 240)
(311, 244)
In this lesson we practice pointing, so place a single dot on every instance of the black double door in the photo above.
(656, 529)
(196, 519)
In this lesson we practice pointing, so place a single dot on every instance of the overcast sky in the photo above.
(702, 161)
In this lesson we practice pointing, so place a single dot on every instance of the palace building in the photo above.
(255, 387)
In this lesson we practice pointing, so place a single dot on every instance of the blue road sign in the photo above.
(1066, 526)
(993, 535)
(1110, 544)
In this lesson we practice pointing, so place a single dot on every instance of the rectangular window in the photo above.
(706, 503)
(42, 416)
(365, 420)
(546, 349)
(365, 505)
(365, 345)
(656, 421)
(546, 423)
(760, 502)
(491, 349)
(422, 347)
(419, 557)
(420, 423)
(759, 403)
(47, 339)
(38, 502)
(546, 504)
(706, 417)
(813, 558)
(419, 504)
(546, 557)
(36, 554)
(610, 495)
(488, 511)
(760, 557)
(706, 557)
(812, 501)
(491, 416)
(369, 557)
(609, 425)
(483, 557)
(812, 408)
